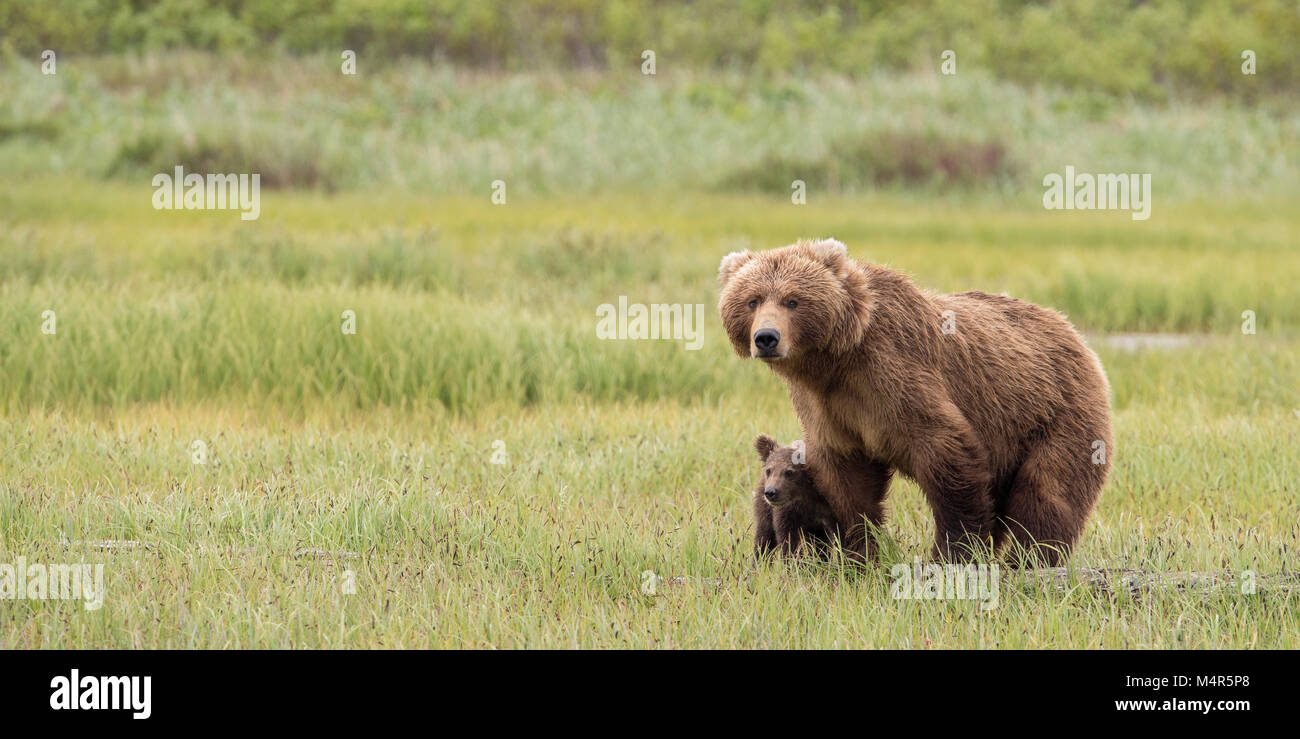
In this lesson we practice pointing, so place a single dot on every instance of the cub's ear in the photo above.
(764, 444)
(832, 253)
(731, 263)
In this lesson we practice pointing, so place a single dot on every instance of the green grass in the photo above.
(476, 323)
(549, 550)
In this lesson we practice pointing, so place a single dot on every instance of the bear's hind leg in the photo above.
(1050, 498)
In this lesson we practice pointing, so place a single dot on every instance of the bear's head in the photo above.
(801, 300)
(785, 479)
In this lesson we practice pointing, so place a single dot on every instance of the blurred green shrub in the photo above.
(882, 159)
(1126, 47)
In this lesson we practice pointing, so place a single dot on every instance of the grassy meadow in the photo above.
(348, 494)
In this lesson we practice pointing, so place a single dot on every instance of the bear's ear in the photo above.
(830, 252)
(764, 444)
(731, 263)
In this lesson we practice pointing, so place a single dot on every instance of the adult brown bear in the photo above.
(994, 406)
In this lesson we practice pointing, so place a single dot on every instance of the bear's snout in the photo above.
(770, 494)
(766, 340)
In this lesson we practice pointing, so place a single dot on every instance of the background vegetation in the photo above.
(1146, 49)
(300, 122)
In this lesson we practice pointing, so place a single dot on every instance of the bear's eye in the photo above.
(767, 471)
(789, 473)
(753, 305)
(791, 304)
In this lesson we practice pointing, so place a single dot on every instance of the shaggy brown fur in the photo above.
(998, 410)
(790, 515)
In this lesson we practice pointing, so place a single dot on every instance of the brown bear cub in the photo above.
(790, 514)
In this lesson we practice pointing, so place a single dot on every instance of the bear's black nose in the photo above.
(770, 494)
(766, 339)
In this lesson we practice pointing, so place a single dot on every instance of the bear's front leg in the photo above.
(790, 539)
(764, 529)
(952, 470)
(855, 487)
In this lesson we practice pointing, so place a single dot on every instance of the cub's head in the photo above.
(785, 477)
(800, 300)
